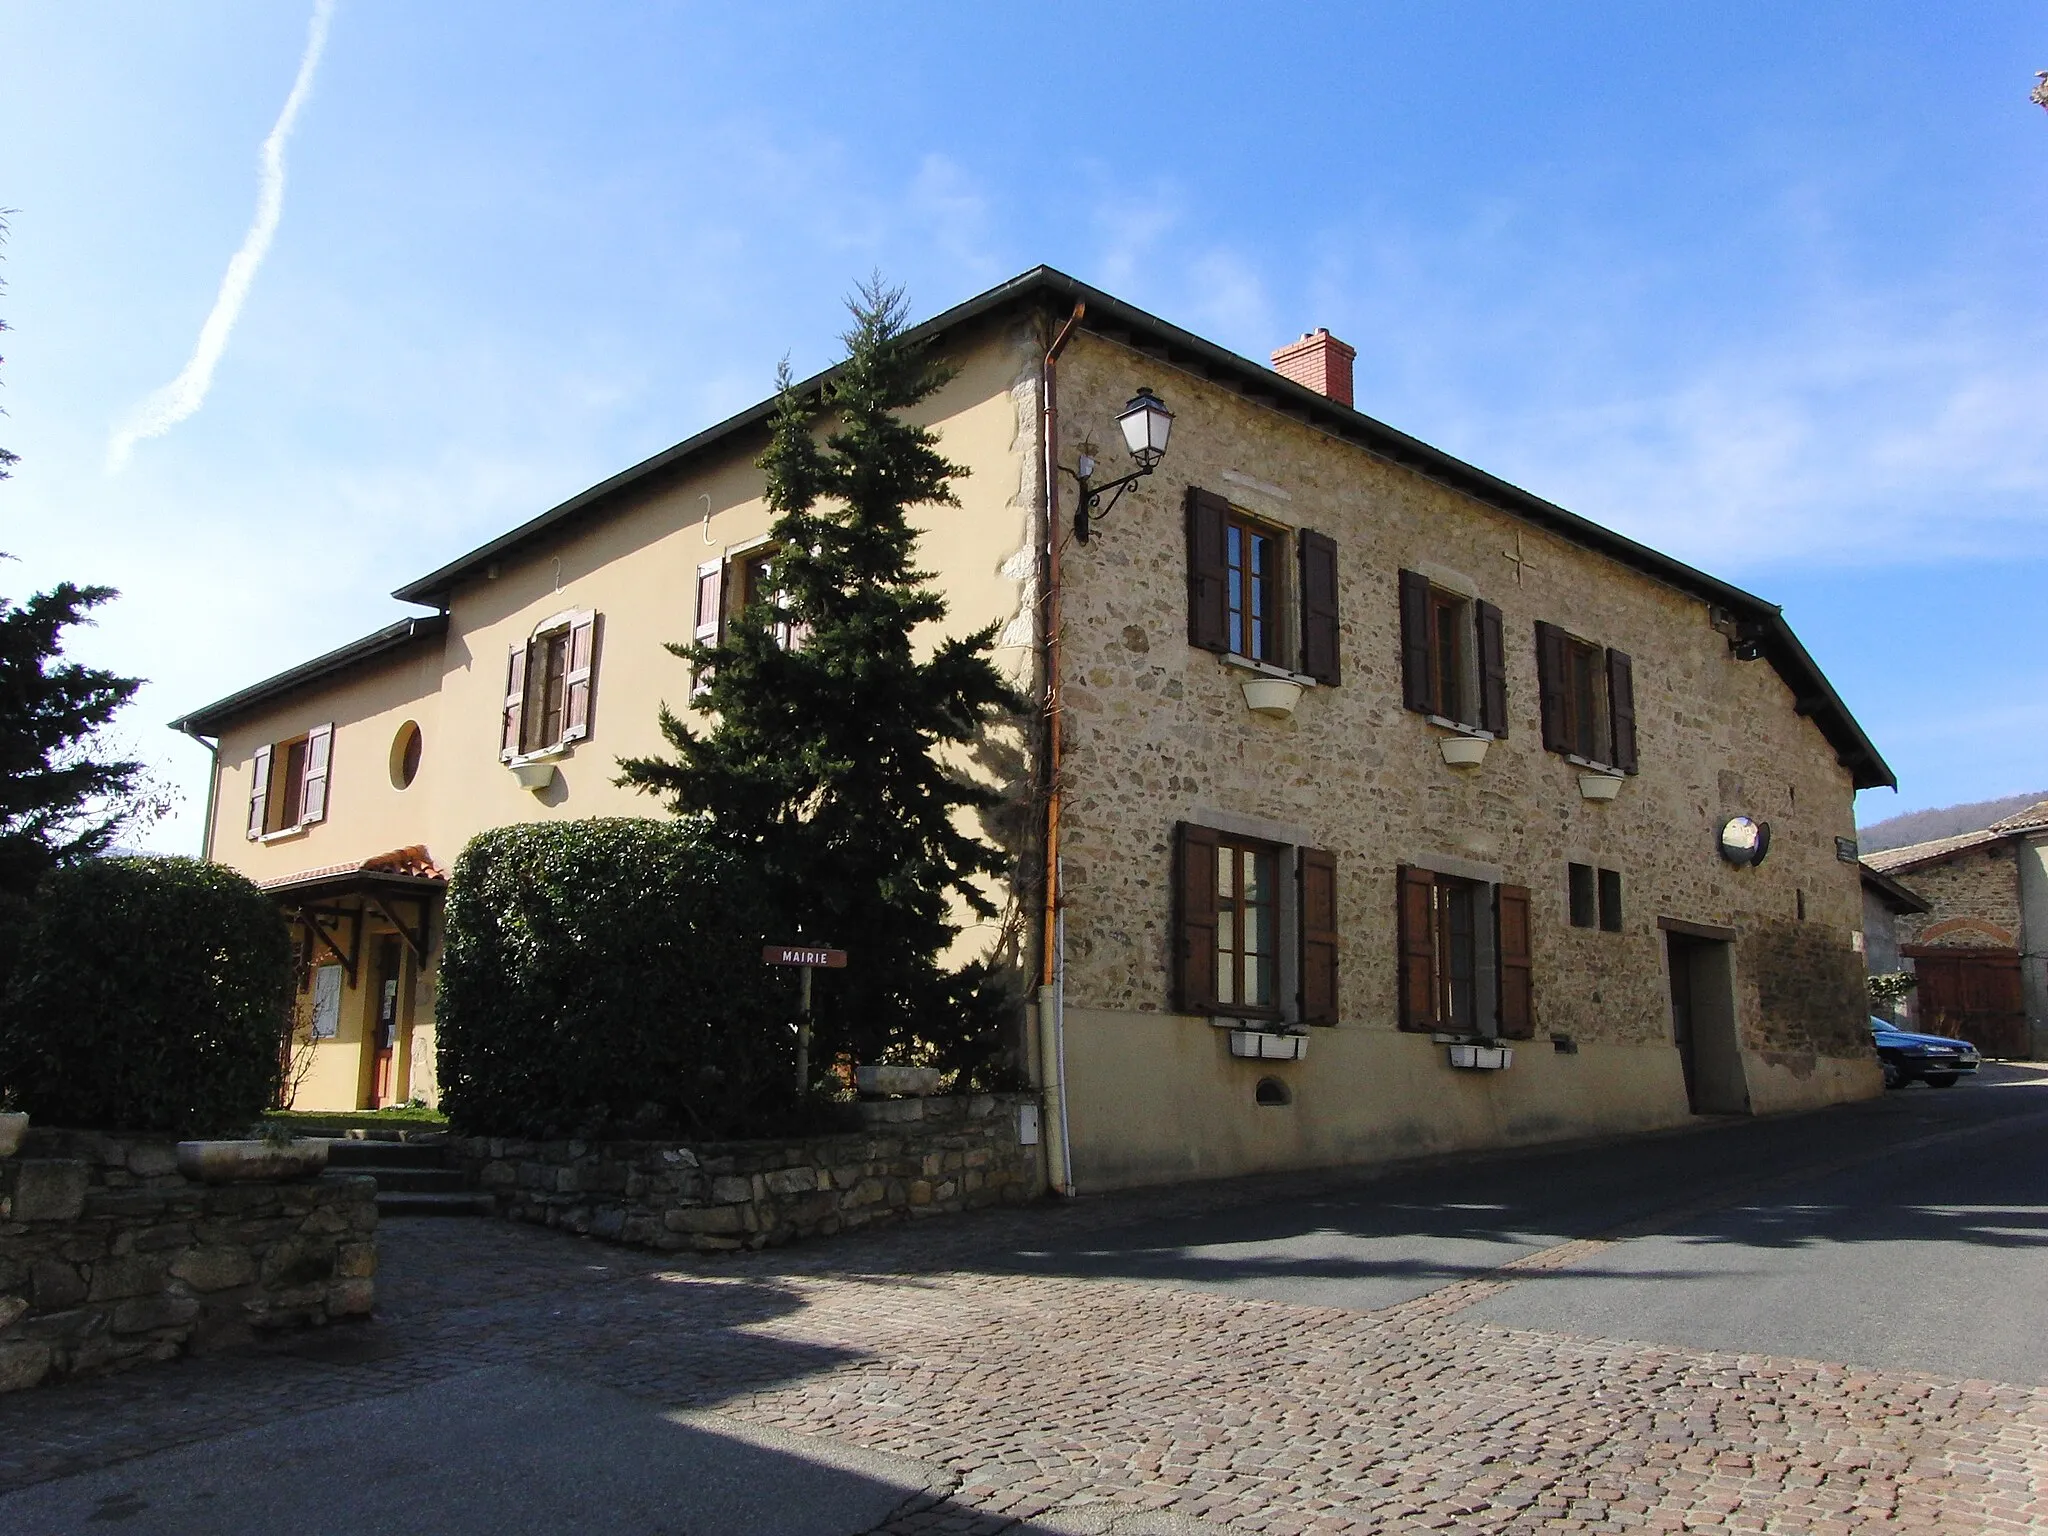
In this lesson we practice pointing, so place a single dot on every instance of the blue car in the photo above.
(1934, 1060)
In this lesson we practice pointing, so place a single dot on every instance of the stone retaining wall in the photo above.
(913, 1157)
(109, 1257)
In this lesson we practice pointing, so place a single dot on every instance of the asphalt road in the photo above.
(1906, 1232)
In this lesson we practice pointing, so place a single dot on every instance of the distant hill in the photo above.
(1943, 821)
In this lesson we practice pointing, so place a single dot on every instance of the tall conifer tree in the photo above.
(826, 760)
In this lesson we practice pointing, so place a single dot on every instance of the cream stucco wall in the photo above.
(635, 564)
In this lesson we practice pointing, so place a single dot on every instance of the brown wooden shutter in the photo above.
(1621, 710)
(1208, 570)
(313, 784)
(580, 682)
(259, 791)
(1493, 669)
(515, 704)
(1550, 684)
(1194, 936)
(1418, 948)
(1511, 962)
(1319, 637)
(1415, 693)
(1318, 874)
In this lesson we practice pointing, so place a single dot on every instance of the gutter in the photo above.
(1052, 986)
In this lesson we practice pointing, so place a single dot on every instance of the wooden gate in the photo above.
(1971, 994)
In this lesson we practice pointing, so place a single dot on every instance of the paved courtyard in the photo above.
(1555, 1342)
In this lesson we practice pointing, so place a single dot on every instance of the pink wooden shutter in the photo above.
(710, 625)
(515, 704)
(581, 680)
(259, 791)
(313, 786)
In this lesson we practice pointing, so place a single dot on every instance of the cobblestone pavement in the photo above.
(1056, 1404)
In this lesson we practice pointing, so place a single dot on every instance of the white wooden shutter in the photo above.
(259, 791)
(515, 704)
(313, 786)
(580, 682)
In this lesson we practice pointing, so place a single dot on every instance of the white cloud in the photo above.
(177, 400)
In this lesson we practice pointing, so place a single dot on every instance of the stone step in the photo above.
(400, 1202)
(423, 1181)
(369, 1156)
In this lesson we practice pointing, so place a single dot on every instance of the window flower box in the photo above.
(1464, 751)
(1599, 786)
(1274, 697)
(1267, 1045)
(1481, 1058)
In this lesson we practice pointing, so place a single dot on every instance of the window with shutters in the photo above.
(1255, 928)
(1588, 699)
(550, 687)
(1259, 592)
(288, 783)
(1464, 956)
(728, 587)
(1453, 665)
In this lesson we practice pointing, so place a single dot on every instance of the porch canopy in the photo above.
(403, 887)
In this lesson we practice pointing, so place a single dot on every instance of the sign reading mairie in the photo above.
(797, 954)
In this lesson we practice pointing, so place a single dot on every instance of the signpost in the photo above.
(806, 957)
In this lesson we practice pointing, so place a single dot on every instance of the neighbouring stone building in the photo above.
(1357, 761)
(1980, 945)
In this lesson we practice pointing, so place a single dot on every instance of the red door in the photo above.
(1971, 994)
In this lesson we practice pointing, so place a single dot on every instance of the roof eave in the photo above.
(209, 719)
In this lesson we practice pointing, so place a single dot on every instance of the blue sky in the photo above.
(1760, 284)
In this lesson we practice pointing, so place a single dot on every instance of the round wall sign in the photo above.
(1744, 841)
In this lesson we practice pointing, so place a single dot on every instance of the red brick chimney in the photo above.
(1320, 361)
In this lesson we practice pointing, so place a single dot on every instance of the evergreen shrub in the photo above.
(145, 994)
(604, 978)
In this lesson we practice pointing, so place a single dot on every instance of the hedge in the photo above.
(604, 977)
(145, 994)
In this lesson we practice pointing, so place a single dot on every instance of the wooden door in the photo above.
(1678, 949)
(390, 960)
(1971, 994)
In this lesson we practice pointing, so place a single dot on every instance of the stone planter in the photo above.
(13, 1126)
(1464, 751)
(1273, 697)
(884, 1080)
(250, 1162)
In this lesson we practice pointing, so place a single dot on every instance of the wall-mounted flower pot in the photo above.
(534, 775)
(884, 1080)
(1600, 786)
(248, 1162)
(1274, 697)
(13, 1126)
(1481, 1058)
(1268, 1045)
(1463, 751)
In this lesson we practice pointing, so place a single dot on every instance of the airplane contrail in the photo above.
(168, 406)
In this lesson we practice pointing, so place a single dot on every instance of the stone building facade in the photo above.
(1279, 910)
(1981, 946)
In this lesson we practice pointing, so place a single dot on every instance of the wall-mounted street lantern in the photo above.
(1146, 424)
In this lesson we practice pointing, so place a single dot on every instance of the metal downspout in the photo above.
(1052, 1041)
(212, 793)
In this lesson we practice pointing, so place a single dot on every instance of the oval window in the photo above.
(1272, 1091)
(405, 755)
